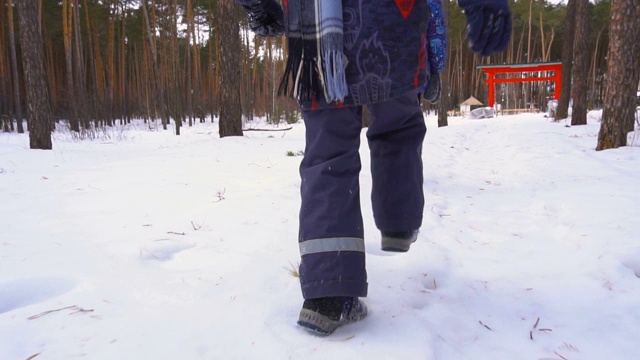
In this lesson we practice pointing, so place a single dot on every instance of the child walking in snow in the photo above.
(343, 55)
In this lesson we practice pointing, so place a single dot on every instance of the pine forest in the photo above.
(111, 61)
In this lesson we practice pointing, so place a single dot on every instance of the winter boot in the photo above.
(398, 241)
(323, 316)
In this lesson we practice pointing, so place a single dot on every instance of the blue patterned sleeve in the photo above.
(436, 38)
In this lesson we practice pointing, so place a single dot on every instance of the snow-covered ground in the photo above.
(145, 245)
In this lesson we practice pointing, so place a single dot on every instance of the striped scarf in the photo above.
(315, 63)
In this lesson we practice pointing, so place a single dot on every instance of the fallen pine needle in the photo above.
(345, 339)
(32, 356)
(73, 307)
(563, 358)
(485, 325)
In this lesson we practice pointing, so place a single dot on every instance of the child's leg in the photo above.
(331, 227)
(395, 138)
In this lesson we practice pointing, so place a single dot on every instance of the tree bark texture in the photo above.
(67, 20)
(229, 51)
(36, 88)
(622, 74)
(562, 112)
(581, 64)
(445, 98)
(14, 70)
(162, 109)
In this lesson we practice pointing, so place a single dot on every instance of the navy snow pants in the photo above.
(331, 234)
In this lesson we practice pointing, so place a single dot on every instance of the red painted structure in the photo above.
(493, 70)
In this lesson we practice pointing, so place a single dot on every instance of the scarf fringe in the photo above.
(315, 63)
(301, 79)
(333, 67)
(294, 58)
(308, 82)
(304, 77)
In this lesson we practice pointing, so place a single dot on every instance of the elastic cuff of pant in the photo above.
(326, 288)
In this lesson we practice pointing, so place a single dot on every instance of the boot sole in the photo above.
(321, 325)
(317, 323)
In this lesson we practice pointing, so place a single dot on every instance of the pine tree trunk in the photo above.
(124, 95)
(190, 25)
(80, 71)
(214, 71)
(67, 19)
(622, 74)
(5, 82)
(529, 27)
(176, 90)
(635, 74)
(156, 68)
(581, 64)
(35, 84)
(14, 70)
(594, 60)
(444, 103)
(229, 50)
(562, 112)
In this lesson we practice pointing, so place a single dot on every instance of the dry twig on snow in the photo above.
(72, 307)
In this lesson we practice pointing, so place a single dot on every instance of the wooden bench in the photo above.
(518, 111)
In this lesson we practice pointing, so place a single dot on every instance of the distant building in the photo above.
(466, 106)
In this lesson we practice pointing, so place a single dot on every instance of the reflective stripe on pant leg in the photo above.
(333, 267)
(331, 244)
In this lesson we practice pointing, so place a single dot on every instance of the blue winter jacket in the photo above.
(384, 43)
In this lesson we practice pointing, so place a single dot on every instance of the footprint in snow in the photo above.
(20, 293)
(632, 261)
(163, 251)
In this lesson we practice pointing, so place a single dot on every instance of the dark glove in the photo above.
(266, 17)
(432, 92)
(488, 25)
